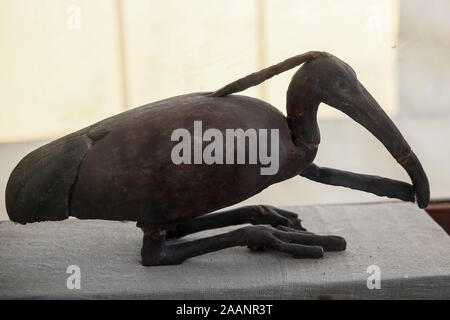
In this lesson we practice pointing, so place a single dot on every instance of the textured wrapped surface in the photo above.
(412, 251)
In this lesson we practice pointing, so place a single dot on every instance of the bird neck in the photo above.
(302, 117)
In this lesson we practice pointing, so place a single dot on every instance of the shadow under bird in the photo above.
(121, 168)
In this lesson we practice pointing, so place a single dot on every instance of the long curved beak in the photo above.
(363, 108)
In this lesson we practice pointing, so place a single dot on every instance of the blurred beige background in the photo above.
(67, 64)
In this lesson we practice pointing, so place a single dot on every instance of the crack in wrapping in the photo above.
(93, 136)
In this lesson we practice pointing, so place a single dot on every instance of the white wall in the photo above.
(69, 63)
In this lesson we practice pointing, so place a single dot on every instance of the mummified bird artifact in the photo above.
(122, 168)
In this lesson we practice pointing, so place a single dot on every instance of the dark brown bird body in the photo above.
(123, 168)
(143, 183)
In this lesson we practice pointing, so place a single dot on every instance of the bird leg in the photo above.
(297, 243)
(256, 214)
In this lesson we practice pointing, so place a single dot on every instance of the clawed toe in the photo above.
(335, 243)
(289, 229)
(283, 217)
(299, 244)
(328, 243)
(313, 252)
(294, 221)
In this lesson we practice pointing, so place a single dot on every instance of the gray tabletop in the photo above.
(410, 251)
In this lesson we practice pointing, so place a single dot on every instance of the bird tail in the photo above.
(39, 188)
